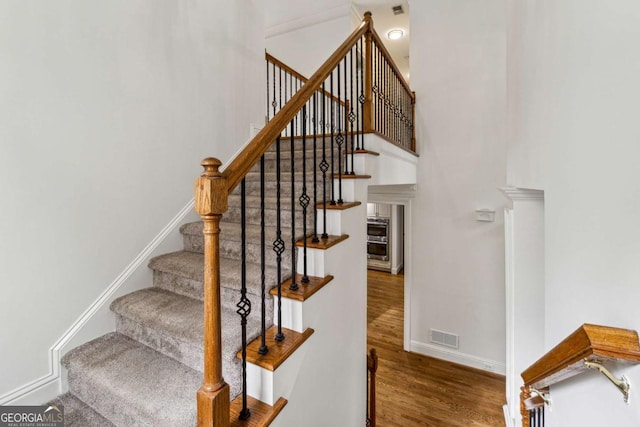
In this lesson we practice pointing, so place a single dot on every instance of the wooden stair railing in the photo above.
(372, 368)
(242, 164)
(385, 95)
(589, 347)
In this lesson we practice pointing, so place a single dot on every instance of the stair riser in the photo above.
(184, 352)
(229, 249)
(270, 165)
(180, 285)
(234, 215)
(194, 288)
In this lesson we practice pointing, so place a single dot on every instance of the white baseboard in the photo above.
(95, 321)
(395, 270)
(458, 357)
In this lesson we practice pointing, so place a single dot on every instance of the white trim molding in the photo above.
(50, 385)
(515, 193)
(508, 421)
(458, 357)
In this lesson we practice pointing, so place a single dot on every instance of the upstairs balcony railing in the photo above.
(365, 93)
(358, 90)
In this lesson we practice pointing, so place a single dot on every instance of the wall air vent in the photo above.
(397, 10)
(444, 338)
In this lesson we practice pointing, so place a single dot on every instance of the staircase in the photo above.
(279, 223)
(146, 373)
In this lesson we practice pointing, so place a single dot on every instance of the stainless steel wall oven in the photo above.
(378, 241)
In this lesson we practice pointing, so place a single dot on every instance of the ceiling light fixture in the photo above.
(395, 34)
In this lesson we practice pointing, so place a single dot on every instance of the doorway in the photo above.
(399, 198)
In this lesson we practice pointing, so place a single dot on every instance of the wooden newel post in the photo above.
(211, 196)
(368, 76)
(372, 366)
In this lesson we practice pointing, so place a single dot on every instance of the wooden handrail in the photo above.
(243, 163)
(285, 67)
(272, 59)
(589, 343)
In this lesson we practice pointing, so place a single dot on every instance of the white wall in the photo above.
(573, 71)
(304, 33)
(107, 109)
(458, 71)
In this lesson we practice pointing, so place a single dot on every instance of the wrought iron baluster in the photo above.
(361, 99)
(293, 286)
(266, 117)
(286, 99)
(398, 109)
(280, 89)
(379, 92)
(278, 244)
(315, 238)
(385, 100)
(274, 103)
(296, 117)
(291, 93)
(403, 114)
(304, 197)
(340, 137)
(352, 114)
(263, 291)
(324, 166)
(332, 128)
(244, 305)
(387, 88)
(407, 115)
(378, 95)
(393, 103)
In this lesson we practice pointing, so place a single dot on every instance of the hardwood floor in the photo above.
(415, 390)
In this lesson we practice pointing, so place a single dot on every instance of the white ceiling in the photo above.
(383, 21)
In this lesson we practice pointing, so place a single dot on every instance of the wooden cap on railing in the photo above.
(588, 342)
(211, 190)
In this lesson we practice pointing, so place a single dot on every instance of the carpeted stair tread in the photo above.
(231, 238)
(166, 312)
(190, 265)
(172, 324)
(79, 414)
(131, 384)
